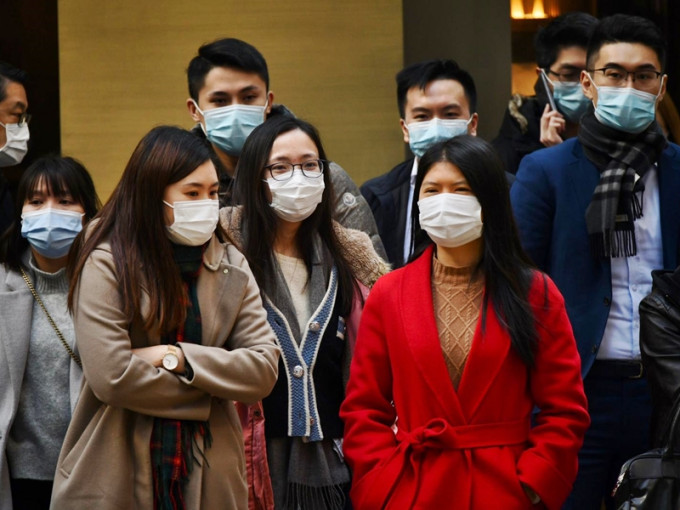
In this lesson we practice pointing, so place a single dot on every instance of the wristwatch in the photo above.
(170, 359)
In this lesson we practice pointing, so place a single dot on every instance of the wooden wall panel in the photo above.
(122, 71)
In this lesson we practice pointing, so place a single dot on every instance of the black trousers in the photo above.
(31, 494)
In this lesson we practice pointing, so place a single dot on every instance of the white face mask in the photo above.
(14, 150)
(450, 219)
(195, 221)
(297, 198)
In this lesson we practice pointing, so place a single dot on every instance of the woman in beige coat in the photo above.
(171, 330)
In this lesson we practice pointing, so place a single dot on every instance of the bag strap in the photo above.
(73, 355)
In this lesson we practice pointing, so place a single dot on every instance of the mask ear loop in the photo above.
(203, 115)
(663, 80)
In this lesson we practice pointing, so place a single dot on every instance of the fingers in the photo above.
(552, 124)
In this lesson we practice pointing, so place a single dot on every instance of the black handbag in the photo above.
(651, 480)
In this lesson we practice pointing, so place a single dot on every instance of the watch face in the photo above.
(170, 361)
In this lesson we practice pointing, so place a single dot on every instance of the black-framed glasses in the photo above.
(24, 118)
(570, 75)
(618, 77)
(282, 171)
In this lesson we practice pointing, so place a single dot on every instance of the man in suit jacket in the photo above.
(437, 101)
(598, 213)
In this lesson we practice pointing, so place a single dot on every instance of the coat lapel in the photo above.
(219, 312)
(583, 178)
(490, 347)
(420, 330)
(15, 324)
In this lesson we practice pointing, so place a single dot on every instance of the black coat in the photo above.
(6, 205)
(513, 141)
(387, 196)
(660, 345)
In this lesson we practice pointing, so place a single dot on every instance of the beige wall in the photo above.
(122, 71)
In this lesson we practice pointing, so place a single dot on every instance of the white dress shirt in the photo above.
(632, 279)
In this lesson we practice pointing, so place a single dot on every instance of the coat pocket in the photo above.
(82, 443)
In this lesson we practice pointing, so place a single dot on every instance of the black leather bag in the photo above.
(651, 480)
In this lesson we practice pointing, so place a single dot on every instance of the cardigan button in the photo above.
(298, 371)
(314, 326)
(607, 301)
(225, 271)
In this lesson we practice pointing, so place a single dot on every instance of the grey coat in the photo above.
(16, 314)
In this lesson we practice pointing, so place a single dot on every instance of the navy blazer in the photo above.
(387, 196)
(549, 197)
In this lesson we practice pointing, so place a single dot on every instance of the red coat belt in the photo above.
(438, 434)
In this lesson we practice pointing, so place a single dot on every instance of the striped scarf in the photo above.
(173, 442)
(615, 204)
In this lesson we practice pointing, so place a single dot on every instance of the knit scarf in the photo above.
(173, 441)
(615, 204)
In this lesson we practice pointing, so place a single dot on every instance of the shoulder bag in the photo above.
(651, 480)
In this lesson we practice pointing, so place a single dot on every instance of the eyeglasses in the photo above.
(570, 75)
(281, 171)
(618, 76)
(24, 118)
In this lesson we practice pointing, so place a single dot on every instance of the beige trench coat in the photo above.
(105, 460)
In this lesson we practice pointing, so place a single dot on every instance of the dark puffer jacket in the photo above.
(660, 345)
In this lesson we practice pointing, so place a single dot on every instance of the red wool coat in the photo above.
(465, 449)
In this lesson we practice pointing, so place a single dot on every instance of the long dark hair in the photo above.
(259, 222)
(507, 270)
(61, 176)
(133, 223)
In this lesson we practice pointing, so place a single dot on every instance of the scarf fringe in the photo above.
(204, 432)
(170, 478)
(304, 497)
(620, 243)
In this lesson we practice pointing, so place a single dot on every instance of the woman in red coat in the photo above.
(455, 351)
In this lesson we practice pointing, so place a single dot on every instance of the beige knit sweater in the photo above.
(457, 303)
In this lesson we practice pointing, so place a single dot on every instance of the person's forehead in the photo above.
(231, 81)
(627, 55)
(437, 93)
(444, 170)
(295, 140)
(570, 56)
(16, 96)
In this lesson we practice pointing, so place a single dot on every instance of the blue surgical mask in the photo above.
(625, 108)
(229, 126)
(423, 135)
(51, 231)
(570, 100)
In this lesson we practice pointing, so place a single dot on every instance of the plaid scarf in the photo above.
(615, 204)
(173, 441)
